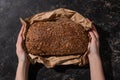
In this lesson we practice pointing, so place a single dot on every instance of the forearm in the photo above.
(96, 67)
(22, 71)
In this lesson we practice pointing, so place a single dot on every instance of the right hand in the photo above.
(94, 44)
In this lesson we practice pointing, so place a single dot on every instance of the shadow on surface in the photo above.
(33, 70)
(106, 53)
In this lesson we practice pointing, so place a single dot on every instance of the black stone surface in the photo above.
(105, 14)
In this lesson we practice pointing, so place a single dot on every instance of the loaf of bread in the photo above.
(58, 37)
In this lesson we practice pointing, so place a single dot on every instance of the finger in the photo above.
(93, 27)
(19, 40)
(92, 36)
(94, 39)
(21, 31)
(95, 32)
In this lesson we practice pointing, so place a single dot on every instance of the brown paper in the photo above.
(51, 61)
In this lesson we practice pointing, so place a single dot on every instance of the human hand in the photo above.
(94, 44)
(96, 69)
(21, 54)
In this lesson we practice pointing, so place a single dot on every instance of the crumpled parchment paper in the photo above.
(51, 61)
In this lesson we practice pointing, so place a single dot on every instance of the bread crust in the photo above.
(59, 37)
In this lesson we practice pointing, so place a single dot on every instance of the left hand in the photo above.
(21, 54)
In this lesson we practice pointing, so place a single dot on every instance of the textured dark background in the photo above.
(105, 14)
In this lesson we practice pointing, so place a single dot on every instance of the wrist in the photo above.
(25, 62)
(23, 65)
(92, 57)
(92, 54)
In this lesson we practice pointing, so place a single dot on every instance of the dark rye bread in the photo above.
(60, 37)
